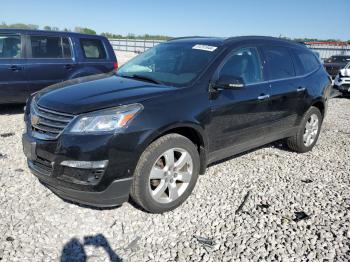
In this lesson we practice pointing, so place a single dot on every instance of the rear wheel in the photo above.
(166, 174)
(308, 132)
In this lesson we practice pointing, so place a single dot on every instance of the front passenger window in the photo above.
(244, 63)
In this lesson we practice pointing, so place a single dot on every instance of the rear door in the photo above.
(284, 88)
(13, 85)
(49, 61)
(305, 64)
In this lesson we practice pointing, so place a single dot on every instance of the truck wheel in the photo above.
(308, 132)
(166, 174)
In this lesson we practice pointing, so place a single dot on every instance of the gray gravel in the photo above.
(36, 225)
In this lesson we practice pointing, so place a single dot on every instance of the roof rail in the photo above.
(186, 37)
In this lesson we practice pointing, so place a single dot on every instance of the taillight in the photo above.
(115, 65)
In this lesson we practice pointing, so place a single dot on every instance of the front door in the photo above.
(239, 116)
(13, 85)
(49, 61)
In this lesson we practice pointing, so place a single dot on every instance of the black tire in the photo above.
(140, 192)
(296, 142)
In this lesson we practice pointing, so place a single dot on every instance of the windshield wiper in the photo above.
(142, 77)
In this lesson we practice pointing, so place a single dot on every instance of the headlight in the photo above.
(106, 120)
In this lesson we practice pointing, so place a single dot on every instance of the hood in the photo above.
(96, 92)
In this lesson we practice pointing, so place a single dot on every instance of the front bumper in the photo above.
(114, 195)
(105, 187)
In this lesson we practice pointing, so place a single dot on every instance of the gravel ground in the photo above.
(246, 208)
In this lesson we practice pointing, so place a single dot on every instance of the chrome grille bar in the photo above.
(48, 124)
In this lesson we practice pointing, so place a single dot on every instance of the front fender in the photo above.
(151, 136)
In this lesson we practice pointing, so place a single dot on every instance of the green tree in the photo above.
(19, 26)
(47, 28)
(85, 30)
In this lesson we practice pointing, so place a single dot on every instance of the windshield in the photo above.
(339, 59)
(173, 64)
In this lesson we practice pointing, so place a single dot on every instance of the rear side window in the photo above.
(93, 48)
(10, 46)
(308, 61)
(278, 62)
(50, 47)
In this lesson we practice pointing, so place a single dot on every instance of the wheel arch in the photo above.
(193, 132)
(320, 105)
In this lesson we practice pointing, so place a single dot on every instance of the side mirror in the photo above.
(230, 82)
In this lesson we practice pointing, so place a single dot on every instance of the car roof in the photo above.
(228, 41)
(44, 32)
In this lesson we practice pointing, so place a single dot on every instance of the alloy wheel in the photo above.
(311, 130)
(170, 175)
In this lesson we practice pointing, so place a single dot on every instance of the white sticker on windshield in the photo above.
(205, 48)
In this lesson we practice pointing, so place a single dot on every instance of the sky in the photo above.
(321, 19)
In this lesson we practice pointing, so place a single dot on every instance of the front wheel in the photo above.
(166, 174)
(308, 132)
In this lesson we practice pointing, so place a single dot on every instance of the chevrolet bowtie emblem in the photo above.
(34, 120)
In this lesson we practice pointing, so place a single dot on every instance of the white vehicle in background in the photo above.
(342, 80)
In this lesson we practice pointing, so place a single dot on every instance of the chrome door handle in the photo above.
(301, 89)
(263, 97)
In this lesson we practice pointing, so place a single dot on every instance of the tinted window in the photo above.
(308, 61)
(10, 46)
(278, 62)
(50, 47)
(93, 48)
(244, 63)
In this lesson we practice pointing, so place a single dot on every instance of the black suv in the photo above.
(33, 59)
(150, 129)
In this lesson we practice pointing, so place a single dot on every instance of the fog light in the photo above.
(86, 164)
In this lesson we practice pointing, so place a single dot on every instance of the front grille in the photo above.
(47, 124)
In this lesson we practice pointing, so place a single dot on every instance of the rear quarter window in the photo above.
(307, 60)
(93, 48)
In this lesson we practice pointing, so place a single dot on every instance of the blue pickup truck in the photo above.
(31, 60)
